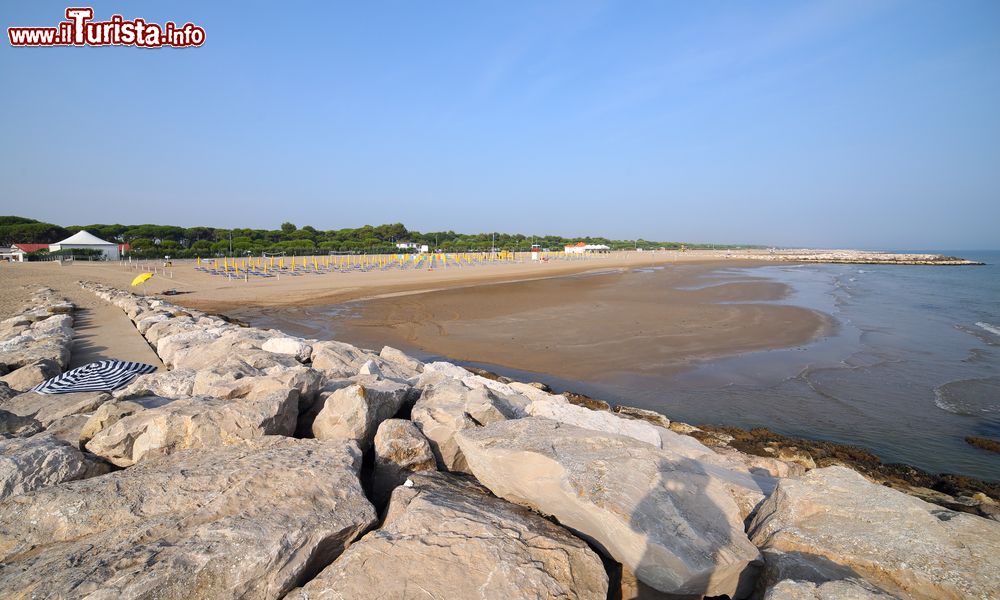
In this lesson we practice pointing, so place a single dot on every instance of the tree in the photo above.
(287, 227)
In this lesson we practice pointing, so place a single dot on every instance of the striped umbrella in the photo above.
(100, 376)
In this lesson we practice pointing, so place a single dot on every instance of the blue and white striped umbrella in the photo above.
(100, 376)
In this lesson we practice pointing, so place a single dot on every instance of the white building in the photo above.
(582, 248)
(413, 246)
(84, 240)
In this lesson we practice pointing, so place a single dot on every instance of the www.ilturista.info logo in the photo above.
(79, 29)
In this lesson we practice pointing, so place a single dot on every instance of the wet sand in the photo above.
(584, 327)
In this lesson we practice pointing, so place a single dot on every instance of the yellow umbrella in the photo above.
(141, 278)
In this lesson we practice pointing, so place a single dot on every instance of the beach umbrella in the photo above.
(100, 376)
(141, 278)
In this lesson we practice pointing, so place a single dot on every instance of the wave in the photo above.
(971, 397)
(988, 327)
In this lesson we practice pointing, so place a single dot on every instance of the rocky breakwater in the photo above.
(35, 343)
(858, 257)
(253, 467)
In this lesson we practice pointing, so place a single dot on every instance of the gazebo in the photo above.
(84, 240)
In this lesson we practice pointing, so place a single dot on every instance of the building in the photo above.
(84, 240)
(584, 248)
(413, 246)
(18, 251)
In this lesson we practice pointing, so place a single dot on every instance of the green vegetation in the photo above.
(188, 242)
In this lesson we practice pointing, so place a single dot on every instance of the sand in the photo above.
(537, 320)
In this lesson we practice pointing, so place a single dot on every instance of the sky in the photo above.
(871, 124)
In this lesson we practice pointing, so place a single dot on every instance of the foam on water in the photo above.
(972, 397)
(988, 327)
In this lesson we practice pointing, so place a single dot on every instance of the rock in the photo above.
(30, 463)
(46, 408)
(338, 359)
(167, 384)
(370, 368)
(6, 392)
(113, 411)
(800, 575)
(446, 369)
(446, 537)
(830, 590)
(449, 407)
(239, 522)
(595, 420)
(762, 464)
(355, 412)
(31, 374)
(587, 402)
(400, 451)
(675, 527)
(398, 358)
(898, 543)
(642, 414)
(290, 346)
(68, 428)
(12, 425)
(196, 422)
(146, 322)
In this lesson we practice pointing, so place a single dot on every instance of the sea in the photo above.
(911, 369)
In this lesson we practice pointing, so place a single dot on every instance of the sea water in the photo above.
(912, 369)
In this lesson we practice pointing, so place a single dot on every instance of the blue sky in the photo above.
(867, 124)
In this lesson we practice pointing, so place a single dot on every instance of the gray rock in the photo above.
(676, 527)
(400, 359)
(448, 407)
(642, 414)
(355, 412)
(400, 451)
(12, 425)
(247, 522)
(30, 463)
(896, 542)
(167, 384)
(338, 359)
(596, 420)
(802, 575)
(30, 375)
(196, 422)
(445, 537)
(47, 408)
(6, 392)
(290, 346)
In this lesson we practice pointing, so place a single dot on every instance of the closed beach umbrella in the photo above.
(100, 376)
(141, 278)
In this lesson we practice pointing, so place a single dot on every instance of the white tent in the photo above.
(85, 240)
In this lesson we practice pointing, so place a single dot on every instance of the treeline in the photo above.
(181, 242)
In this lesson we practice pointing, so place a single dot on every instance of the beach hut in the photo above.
(84, 240)
(18, 251)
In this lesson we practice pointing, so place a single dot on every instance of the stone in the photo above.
(400, 359)
(196, 422)
(677, 528)
(30, 463)
(6, 392)
(802, 575)
(650, 416)
(355, 412)
(606, 422)
(448, 407)
(12, 425)
(290, 346)
(247, 522)
(896, 542)
(447, 537)
(32, 374)
(113, 411)
(370, 368)
(830, 590)
(46, 408)
(68, 428)
(338, 359)
(400, 451)
(177, 383)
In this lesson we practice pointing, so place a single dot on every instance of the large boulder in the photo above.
(248, 522)
(402, 360)
(30, 375)
(290, 346)
(30, 463)
(196, 422)
(445, 537)
(400, 451)
(47, 408)
(899, 543)
(6, 392)
(802, 575)
(676, 527)
(448, 407)
(177, 383)
(597, 420)
(113, 411)
(338, 359)
(355, 412)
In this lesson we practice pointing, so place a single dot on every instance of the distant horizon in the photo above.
(834, 123)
